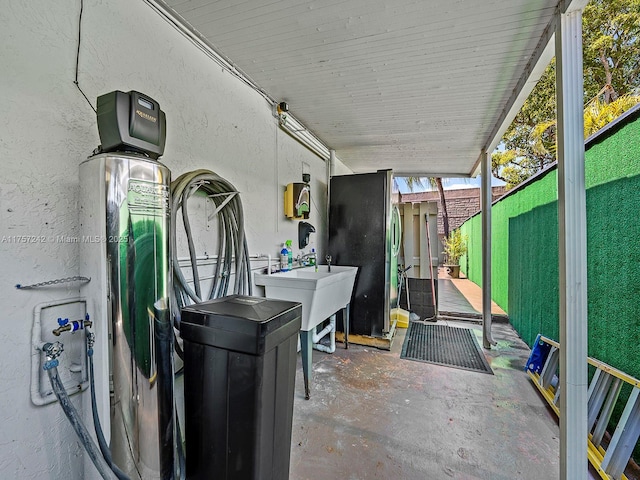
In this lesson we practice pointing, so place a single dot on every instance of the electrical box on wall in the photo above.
(297, 201)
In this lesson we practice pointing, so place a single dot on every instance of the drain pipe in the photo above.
(331, 330)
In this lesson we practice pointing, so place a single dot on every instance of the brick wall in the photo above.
(461, 204)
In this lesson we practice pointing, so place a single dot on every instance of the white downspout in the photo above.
(572, 237)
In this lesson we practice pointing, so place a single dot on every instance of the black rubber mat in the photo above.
(443, 345)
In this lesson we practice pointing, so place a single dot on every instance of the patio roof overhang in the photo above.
(426, 88)
(419, 87)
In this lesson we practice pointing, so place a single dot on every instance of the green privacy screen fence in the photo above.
(525, 249)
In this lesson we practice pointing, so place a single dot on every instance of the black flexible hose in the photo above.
(79, 427)
(163, 344)
(182, 462)
(104, 448)
(177, 347)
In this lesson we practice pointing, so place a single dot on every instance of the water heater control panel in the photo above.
(131, 121)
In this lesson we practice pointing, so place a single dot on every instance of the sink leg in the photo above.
(306, 348)
(346, 326)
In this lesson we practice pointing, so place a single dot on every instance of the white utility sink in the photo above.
(321, 293)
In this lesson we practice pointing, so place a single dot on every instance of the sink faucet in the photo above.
(308, 256)
(328, 259)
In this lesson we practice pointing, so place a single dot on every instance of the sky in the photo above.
(448, 183)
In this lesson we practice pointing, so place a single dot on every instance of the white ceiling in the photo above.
(418, 86)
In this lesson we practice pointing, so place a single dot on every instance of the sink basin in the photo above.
(321, 293)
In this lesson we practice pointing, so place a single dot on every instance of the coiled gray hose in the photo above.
(75, 420)
(233, 253)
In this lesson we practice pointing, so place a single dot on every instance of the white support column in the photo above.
(485, 205)
(572, 235)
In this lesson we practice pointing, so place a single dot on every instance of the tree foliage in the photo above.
(611, 58)
(455, 246)
(611, 48)
(511, 168)
(597, 114)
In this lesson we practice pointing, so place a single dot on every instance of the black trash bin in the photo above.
(239, 376)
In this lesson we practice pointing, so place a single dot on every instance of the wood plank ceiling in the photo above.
(418, 86)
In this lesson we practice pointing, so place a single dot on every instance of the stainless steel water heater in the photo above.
(124, 248)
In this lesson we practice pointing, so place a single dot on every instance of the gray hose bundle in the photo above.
(233, 253)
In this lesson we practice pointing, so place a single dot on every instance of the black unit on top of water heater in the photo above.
(131, 121)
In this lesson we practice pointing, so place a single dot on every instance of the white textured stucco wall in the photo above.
(47, 128)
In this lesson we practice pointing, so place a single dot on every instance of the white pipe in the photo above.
(287, 122)
(331, 330)
(203, 44)
(332, 162)
(297, 130)
(213, 258)
(199, 258)
(316, 337)
(36, 349)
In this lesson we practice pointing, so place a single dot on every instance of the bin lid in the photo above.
(242, 323)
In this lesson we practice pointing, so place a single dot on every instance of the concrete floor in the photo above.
(461, 295)
(373, 415)
(452, 302)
